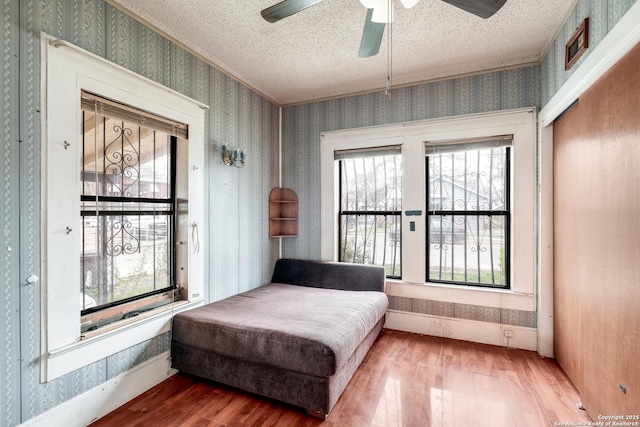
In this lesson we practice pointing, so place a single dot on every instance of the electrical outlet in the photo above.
(508, 333)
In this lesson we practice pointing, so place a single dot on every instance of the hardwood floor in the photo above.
(405, 380)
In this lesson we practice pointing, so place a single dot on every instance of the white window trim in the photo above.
(66, 70)
(522, 124)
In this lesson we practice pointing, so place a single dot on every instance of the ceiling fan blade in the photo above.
(482, 8)
(371, 37)
(286, 8)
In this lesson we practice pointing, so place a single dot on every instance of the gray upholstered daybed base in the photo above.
(298, 339)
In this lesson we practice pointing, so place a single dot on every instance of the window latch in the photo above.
(32, 279)
(66, 145)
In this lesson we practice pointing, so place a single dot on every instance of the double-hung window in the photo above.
(370, 207)
(127, 210)
(122, 208)
(468, 211)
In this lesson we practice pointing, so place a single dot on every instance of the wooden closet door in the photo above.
(597, 241)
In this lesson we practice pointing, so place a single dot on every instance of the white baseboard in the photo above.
(98, 402)
(461, 329)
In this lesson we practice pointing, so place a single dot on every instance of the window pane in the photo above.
(123, 256)
(371, 183)
(468, 249)
(468, 180)
(371, 239)
(126, 211)
(370, 203)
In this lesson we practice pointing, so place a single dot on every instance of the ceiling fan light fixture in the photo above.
(381, 13)
(408, 4)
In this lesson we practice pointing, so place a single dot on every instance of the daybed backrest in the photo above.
(332, 275)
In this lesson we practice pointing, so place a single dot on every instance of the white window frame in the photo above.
(521, 124)
(386, 151)
(461, 147)
(66, 71)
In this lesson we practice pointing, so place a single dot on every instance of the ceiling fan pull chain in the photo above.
(388, 92)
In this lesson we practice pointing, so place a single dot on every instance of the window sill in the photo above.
(97, 345)
(120, 325)
(488, 297)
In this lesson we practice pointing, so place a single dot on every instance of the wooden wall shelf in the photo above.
(283, 213)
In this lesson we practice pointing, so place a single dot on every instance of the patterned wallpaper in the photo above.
(603, 16)
(302, 125)
(9, 213)
(239, 252)
(479, 313)
(236, 208)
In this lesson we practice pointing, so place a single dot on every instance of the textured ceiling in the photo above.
(314, 54)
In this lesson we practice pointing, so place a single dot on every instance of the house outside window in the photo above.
(468, 211)
(370, 207)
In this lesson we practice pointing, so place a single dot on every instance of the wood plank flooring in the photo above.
(405, 380)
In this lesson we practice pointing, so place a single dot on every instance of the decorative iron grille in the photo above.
(468, 215)
(370, 209)
(127, 211)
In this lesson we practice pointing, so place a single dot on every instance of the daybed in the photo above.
(298, 339)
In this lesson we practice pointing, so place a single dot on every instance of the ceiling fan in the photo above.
(377, 15)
